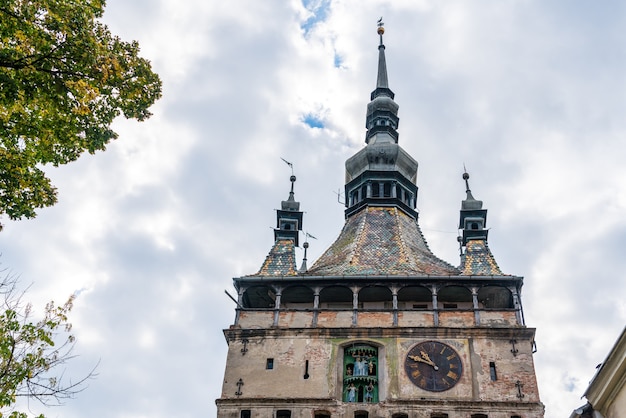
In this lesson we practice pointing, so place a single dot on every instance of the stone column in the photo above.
(475, 303)
(517, 304)
(434, 290)
(394, 305)
(277, 306)
(355, 306)
(239, 303)
(316, 305)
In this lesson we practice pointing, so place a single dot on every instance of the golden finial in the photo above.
(381, 28)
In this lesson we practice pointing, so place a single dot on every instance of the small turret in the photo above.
(473, 217)
(476, 258)
(281, 261)
(289, 217)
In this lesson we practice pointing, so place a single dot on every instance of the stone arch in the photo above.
(297, 296)
(336, 297)
(375, 297)
(453, 297)
(259, 297)
(495, 297)
(414, 297)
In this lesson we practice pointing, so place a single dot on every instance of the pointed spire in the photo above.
(382, 83)
(382, 112)
(382, 173)
(303, 267)
(469, 202)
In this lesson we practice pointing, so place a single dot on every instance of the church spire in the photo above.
(382, 83)
(382, 112)
(382, 173)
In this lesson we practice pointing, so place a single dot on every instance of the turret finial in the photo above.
(466, 177)
(381, 29)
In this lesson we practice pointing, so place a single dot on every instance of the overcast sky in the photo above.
(529, 95)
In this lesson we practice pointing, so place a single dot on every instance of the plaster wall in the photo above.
(618, 407)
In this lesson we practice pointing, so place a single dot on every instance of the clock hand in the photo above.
(426, 357)
(425, 361)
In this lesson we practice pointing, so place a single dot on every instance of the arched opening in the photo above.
(259, 297)
(360, 373)
(415, 297)
(297, 297)
(375, 297)
(455, 297)
(495, 297)
(336, 297)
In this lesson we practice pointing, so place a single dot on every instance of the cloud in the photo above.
(528, 95)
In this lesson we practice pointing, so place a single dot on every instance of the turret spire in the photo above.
(477, 258)
(289, 217)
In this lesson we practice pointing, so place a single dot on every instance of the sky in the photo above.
(528, 95)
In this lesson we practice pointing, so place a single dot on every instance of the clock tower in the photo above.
(379, 326)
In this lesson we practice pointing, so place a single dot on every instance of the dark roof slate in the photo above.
(380, 241)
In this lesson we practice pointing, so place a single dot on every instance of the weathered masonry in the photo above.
(379, 326)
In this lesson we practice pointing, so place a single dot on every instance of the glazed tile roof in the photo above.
(478, 260)
(380, 241)
(281, 261)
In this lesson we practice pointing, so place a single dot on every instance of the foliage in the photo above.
(32, 352)
(63, 79)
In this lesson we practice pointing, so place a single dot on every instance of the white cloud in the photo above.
(528, 95)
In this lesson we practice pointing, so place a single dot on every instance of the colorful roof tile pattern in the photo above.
(281, 261)
(478, 260)
(380, 241)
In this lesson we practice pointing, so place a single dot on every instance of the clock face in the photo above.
(433, 366)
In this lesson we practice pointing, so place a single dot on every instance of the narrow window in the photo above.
(245, 413)
(375, 188)
(420, 306)
(387, 190)
(283, 413)
(479, 416)
(306, 369)
(438, 415)
(450, 306)
(269, 364)
(322, 414)
(360, 414)
(492, 371)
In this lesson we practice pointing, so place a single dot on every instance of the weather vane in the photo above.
(289, 164)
